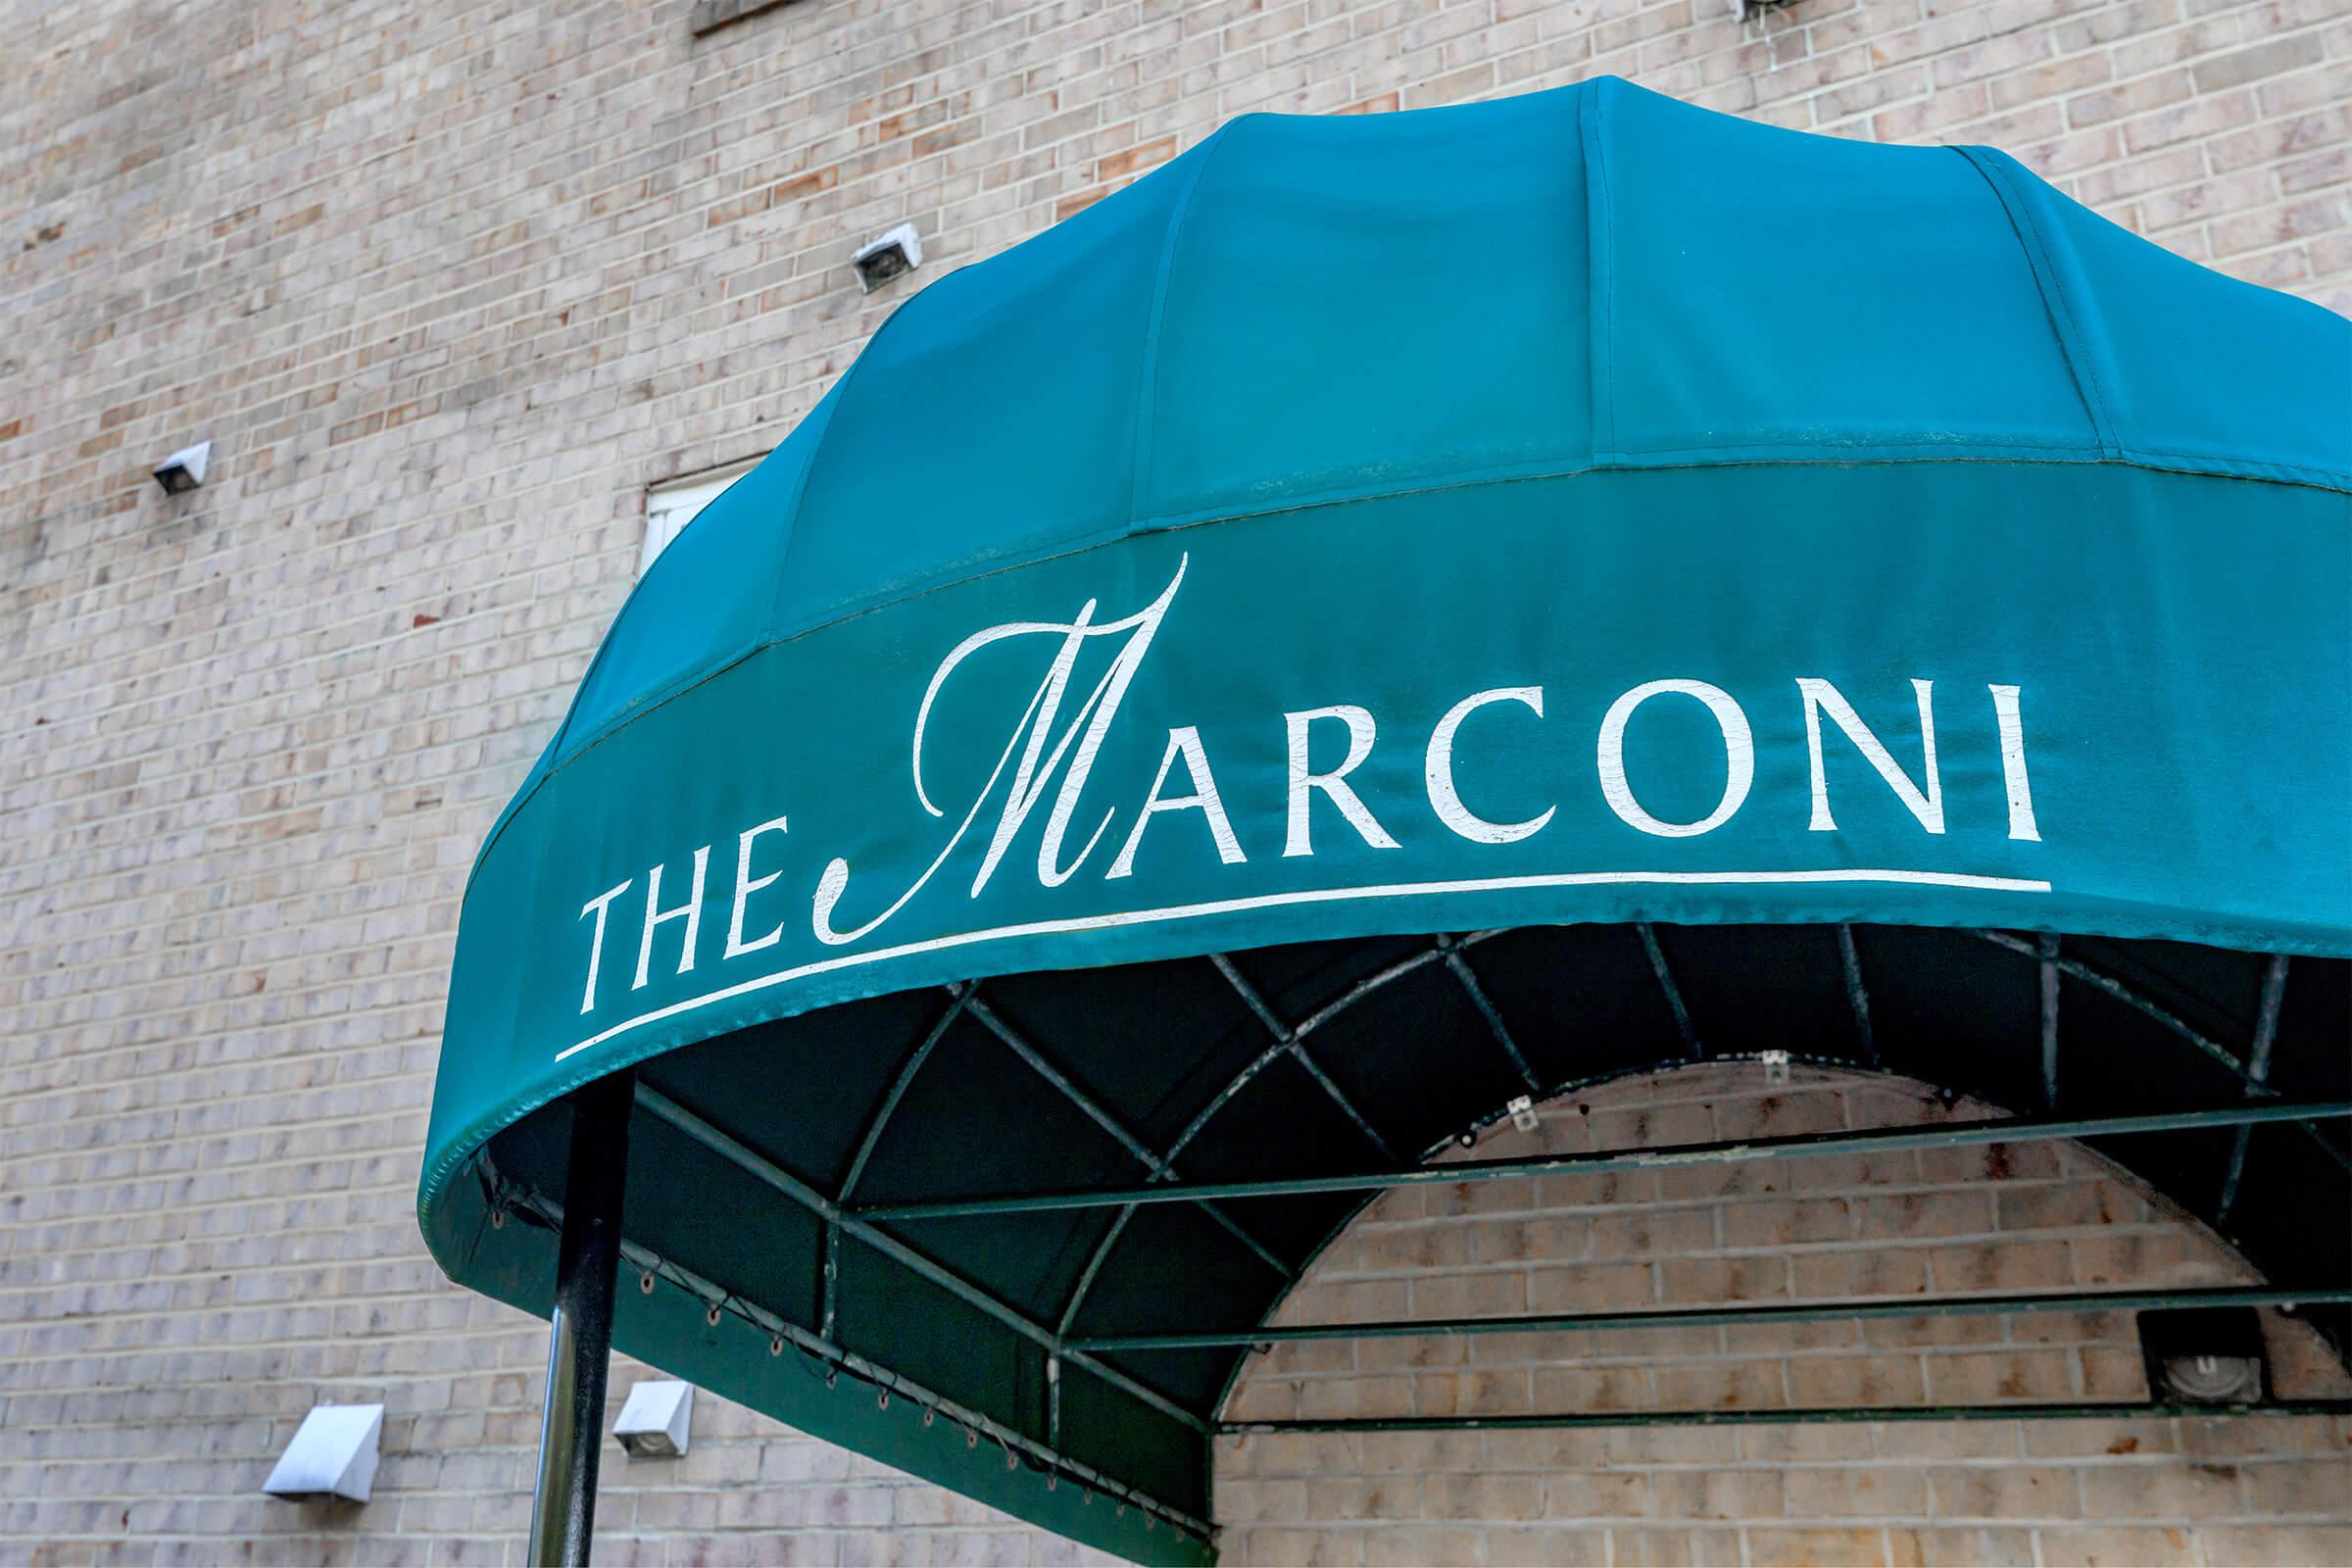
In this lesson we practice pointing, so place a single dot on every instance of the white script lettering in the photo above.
(1738, 749)
(1437, 770)
(1821, 696)
(1303, 778)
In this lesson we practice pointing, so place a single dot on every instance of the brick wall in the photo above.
(449, 286)
(1993, 1219)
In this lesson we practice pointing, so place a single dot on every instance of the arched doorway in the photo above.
(1648, 1484)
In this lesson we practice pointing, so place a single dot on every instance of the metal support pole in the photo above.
(581, 1347)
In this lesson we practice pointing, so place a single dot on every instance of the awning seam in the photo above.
(1147, 411)
(2074, 340)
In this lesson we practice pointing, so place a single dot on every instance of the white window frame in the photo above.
(674, 504)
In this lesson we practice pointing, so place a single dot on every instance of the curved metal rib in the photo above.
(1452, 949)
(1290, 1039)
(962, 995)
(1674, 992)
(1857, 994)
(2258, 1068)
(1286, 1040)
(1159, 1165)
(2109, 985)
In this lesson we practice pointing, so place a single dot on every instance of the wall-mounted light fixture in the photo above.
(332, 1455)
(183, 470)
(888, 256)
(2205, 1356)
(654, 1421)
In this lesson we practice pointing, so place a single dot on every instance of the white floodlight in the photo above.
(332, 1455)
(882, 259)
(653, 1423)
(183, 470)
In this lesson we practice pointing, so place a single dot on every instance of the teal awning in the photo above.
(1514, 593)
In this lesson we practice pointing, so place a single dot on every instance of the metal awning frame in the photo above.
(1859, 1310)
(1800, 1146)
(566, 1492)
(830, 1359)
(1794, 1415)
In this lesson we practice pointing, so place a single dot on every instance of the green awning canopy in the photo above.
(1383, 616)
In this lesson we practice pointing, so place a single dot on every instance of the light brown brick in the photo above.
(2159, 1492)
(2003, 1492)
(1820, 1547)
(458, 283)
(2094, 1546)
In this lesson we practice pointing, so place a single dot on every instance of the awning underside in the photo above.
(754, 1156)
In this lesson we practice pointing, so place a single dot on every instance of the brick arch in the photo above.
(1996, 1218)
